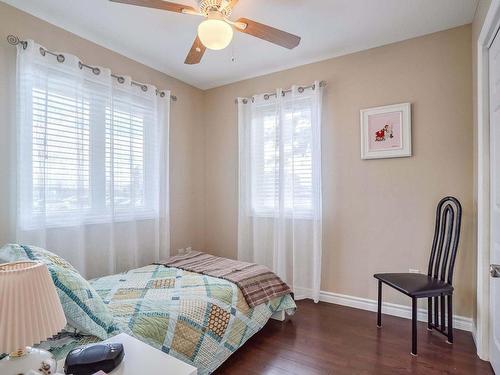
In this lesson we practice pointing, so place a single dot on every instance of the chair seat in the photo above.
(415, 284)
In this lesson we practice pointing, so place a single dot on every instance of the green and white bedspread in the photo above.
(199, 319)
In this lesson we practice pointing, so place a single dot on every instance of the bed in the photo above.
(199, 319)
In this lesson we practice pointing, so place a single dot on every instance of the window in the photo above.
(124, 159)
(130, 145)
(281, 158)
(61, 153)
(87, 155)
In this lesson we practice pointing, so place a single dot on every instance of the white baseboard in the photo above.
(402, 311)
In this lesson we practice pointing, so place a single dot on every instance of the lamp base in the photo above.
(38, 361)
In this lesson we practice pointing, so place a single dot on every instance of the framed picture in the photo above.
(386, 131)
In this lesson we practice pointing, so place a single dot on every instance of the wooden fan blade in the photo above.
(276, 36)
(196, 52)
(158, 4)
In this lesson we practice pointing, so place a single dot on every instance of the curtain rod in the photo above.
(14, 40)
(283, 92)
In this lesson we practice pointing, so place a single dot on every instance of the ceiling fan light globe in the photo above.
(215, 34)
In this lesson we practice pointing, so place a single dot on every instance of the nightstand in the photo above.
(141, 358)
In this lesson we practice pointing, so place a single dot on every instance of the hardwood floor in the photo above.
(331, 339)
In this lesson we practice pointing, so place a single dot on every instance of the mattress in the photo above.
(198, 319)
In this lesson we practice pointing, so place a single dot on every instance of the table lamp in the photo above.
(30, 312)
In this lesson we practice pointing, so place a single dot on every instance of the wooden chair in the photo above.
(437, 284)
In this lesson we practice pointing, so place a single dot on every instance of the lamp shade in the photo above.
(215, 34)
(30, 310)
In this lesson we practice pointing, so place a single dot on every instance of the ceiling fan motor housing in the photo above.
(207, 6)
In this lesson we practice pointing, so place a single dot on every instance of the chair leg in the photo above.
(429, 314)
(414, 326)
(436, 308)
(450, 320)
(379, 309)
(442, 312)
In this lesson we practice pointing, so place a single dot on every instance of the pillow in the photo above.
(82, 305)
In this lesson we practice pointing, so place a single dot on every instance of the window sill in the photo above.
(61, 222)
(289, 216)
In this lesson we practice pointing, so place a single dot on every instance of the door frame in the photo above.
(482, 324)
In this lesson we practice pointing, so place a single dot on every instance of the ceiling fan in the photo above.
(216, 32)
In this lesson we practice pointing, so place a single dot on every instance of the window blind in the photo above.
(281, 157)
(92, 155)
(126, 160)
(61, 151)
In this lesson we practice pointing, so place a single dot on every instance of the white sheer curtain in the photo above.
(280, 218)
(92, 163)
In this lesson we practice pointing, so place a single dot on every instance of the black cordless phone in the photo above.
(90, 359)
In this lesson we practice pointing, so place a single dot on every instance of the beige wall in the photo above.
(186, 172)
(378, 214)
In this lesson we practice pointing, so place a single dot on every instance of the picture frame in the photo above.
(386, 131)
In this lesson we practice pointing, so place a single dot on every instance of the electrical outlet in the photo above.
(412, 270)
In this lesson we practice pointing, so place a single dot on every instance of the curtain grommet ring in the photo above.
(245, 101)
(120, 80)
(144, 88)
(301, 89)
(266, 97)
(60, 58)
(80, 65)
(162, 94)
(96, 71)
(42, 51)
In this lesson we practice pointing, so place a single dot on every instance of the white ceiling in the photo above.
(328, 28)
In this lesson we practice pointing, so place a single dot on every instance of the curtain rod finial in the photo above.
(14, 40)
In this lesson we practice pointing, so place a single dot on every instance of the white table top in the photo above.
(141, 358)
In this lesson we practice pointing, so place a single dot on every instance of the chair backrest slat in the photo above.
(448, 213)
(442, 231)
(446, 238)
(434, 242)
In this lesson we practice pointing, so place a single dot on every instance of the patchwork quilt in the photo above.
(199, 319)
